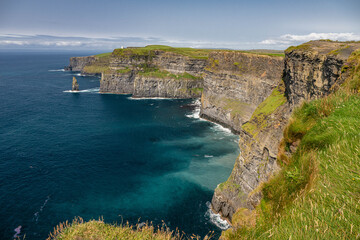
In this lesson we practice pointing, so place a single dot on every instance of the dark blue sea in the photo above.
(94, 155)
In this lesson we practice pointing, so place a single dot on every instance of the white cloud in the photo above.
(109, 43)
(288, 39)
(12, 42)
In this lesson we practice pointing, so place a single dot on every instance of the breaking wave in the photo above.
(216, 218)
(218, 127)
(57, 70)
(91, 90)
(196, 112)
(151, 98)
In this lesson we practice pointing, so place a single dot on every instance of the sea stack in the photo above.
(75, 85)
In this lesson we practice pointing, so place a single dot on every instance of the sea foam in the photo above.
(36, 215)
(91, 90)
(216, 218)
(151, 98)
(196, 112)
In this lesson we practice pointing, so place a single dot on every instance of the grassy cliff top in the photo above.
(327, 47)
(189, 52)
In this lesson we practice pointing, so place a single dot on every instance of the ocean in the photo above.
(92, 155)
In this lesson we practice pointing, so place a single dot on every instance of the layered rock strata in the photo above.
(152, 74)
(311, 71)
(148, 86)
(77, 64)
(235, 84)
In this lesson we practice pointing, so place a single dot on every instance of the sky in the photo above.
(234, 24)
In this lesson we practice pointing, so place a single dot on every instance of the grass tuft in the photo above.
(97, 229)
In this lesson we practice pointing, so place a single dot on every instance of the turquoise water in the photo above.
(87, 154)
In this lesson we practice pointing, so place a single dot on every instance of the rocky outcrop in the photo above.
(75, 85)
(313, 68)
(311, 71)
(78, 63)
(235, 84)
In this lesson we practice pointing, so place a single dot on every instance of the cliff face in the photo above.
(235, 84)
(150, 86)
(78, 63)
(167, 88)
(176, 63)
(154, 74)
(313, 68)
(311, 71)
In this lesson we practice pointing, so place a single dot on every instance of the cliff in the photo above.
(152, 71)
(315, 194)
(162, 84)
(254, 95)
(311, 71)
(235, 83)
(77, 64)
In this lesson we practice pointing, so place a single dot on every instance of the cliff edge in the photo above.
(311, 71)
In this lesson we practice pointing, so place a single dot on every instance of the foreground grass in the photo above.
(316, 195)
(97, 229)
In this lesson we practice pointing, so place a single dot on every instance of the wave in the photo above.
(91, 90)
(218, 127)
(36, 215)
(57, 70)
(152, 98)
(196, 112)
(216, 218)
(208, 156)
(79, 75)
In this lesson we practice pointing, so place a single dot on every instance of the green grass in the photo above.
(337, 51)
(95, 69)
(97, 229)
(228, 185)
(299, 47)
(103, 54)
(267, 107)
(148, 50)
(189, 52)
(126, 70)
(316, 195)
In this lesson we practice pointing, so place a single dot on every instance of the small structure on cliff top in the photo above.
(75, 85)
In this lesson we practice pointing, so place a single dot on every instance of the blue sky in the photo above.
(107, 24)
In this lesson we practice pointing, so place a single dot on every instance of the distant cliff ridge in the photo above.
(253, 94)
